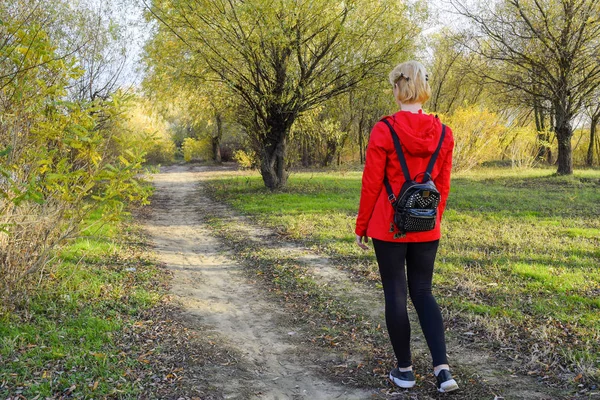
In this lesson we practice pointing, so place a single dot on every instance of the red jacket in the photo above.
(419, 135)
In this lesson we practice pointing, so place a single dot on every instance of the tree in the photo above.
(593, 111)
(453, 83)
(184, 90)
(320, 135)
(60, 158)
(103, 57)
(282, 58)
(546, 50)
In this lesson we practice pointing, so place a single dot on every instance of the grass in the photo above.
(64, 342)
(519, 260)
(329, 321)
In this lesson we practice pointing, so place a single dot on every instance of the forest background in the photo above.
(518, 81)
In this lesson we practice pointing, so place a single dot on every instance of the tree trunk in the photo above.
(216, 149)
(272, 166)
(305, 153)
(216, 140)
(340, 148)
(598, 148)
(565, 158)
(590, 153)
(330, 153)
(361, 139)
(564, 133)
(542, 137)
(360, 145)
(272, 153)
(536, 113)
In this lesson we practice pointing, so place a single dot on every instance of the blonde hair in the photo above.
(411, 79)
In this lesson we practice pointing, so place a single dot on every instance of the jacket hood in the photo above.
(419, 133)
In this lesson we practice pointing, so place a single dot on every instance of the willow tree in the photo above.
(546, 50)
(454, 83)
(282, 58)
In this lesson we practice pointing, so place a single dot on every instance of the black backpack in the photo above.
(415, 208)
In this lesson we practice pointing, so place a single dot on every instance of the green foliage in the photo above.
(319, 136)
(518, 258)
(61, 158)
(539, 52)
(453, 81)
(306, 94)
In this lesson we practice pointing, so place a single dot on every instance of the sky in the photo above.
(129, 14)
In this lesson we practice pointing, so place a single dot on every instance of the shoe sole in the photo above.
(401, 383)
(448, 386)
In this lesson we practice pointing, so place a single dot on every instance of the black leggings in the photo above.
(420, 258)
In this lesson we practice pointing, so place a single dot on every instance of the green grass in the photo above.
(68, 332)
(520, 254)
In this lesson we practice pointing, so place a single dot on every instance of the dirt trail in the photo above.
(218, 297)
(215, 293)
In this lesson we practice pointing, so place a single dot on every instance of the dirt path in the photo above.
(272, 362)
(215, 293)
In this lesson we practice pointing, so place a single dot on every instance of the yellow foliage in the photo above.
(196, 149)
(581, 143)
(149, 133)
(521, 149)
(478, 134)
(245, 159)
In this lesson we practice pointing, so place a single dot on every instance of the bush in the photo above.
(162, 151)
(581, 143)
(246, 159)
(521, 149)
(196, 149)
(65, 164)
(60, 160)
(149, 132)
(478, 134)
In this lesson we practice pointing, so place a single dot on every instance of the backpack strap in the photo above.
(402, 160)
(399, 152)
(434, 156)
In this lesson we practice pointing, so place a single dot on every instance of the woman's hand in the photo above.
(362, 241)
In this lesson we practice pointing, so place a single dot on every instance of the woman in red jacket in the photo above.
(419, 135)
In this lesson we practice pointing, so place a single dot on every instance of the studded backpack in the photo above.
(415, 208)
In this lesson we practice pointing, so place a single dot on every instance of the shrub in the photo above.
(581, 143)
(246, 159)
(149, 132)
(521, 148)
(478, 134)
(196, 149)
(162, 151)
(60, 160)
